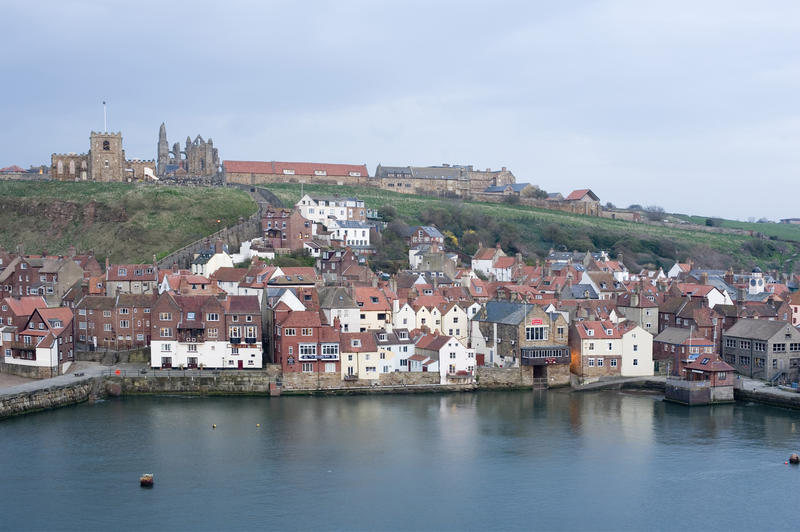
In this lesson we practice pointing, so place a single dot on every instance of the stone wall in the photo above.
(30, 372)
(25, 403)
(333, 381)
(266, 179)
(498, 378)
(110, 358)
(557, 375)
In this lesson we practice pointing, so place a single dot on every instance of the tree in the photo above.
(511, 199)
(610, 205)
(635, 207)
(654, 212)
(388, 212)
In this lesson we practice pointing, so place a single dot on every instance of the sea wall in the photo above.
(27, 402)
(782, 400)
(504, 378)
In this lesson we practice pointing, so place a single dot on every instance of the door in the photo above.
(241, 364)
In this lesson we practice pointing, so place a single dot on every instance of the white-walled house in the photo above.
(456, 362)
(637, 351)
(351, 233)
(395, 347)
(337, 304)
(210, 260)
(404, 316)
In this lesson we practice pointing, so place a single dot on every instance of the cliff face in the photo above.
(61, 214)
(125, 223)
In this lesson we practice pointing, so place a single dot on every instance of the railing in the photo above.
(149, 372)
(688, 385)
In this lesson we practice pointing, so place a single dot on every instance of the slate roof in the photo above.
(579, 291)
(335, 297)
(504, 312)
(758, 329)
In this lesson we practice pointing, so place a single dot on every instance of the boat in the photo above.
(146, 480)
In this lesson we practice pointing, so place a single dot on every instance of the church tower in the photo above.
(106, 157)
(163, 149)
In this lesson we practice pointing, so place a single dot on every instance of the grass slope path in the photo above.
(125, 222)
(653, 244)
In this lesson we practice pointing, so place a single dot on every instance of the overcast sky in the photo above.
(694, 106)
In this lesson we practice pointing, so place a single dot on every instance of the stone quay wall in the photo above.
(504, 378)
(29, 372)
(28, 402)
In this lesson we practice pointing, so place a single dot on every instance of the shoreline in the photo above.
(97, 387)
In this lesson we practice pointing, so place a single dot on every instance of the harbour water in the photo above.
(475, 461)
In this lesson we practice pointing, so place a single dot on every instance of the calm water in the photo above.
(489, 461)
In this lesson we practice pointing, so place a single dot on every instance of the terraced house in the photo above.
(222, 332)
(763, 349)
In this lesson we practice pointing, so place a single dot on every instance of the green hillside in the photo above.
(124, 222)
(534, 231)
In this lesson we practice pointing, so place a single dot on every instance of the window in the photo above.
(774, 363)
(165, 316)
(744, 344)
(124, 311)
(290, 332)
(535, 333)
(235, 333)
(610, 346)
(744, 361)
(760, 346)
(370, 369)
(306, 331)
(350, 358)
(591, 346)
(234, 318)
(308, 367)
(794, 347)
(355, 342)
(613, 362)
(212, 316)
(452, 356)
(213, 332)
(124, 324)
(307, 349)
(166, 347)
(778, 348)
(106, 313)
(107, 327)
(635, 361)
(730, 342)
(635, 347)
(599, 362)
(192, 348)
(591, 362)
(166, 332)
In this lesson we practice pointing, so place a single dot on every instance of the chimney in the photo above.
(218, 245)
(175, 267)
(741, 294)
(704, 278)
(502, 168)
(619, 257)
(729, 276)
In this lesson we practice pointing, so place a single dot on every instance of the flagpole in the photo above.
(105, 118)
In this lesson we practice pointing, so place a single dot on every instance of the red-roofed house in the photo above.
(254, 172)
(44, 346)
(206, 331)
(603, 349)
(456, 363)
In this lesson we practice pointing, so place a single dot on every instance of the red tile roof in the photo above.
(25, 306)
(309, 169)
(579, 194)
(433, 342)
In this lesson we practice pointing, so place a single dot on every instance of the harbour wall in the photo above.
(55, 397)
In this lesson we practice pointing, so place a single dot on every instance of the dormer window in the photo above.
(373, 299)
(382, 337)
(287, 171)
(122, 272)
(590, 332)
(355, 342)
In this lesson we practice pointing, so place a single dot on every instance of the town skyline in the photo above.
(682, 107)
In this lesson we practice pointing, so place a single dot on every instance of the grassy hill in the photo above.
(124, 222)
(534, 231)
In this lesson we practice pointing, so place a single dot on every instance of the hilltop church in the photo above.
(105, 162)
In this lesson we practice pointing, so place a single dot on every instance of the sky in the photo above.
(691, 106)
